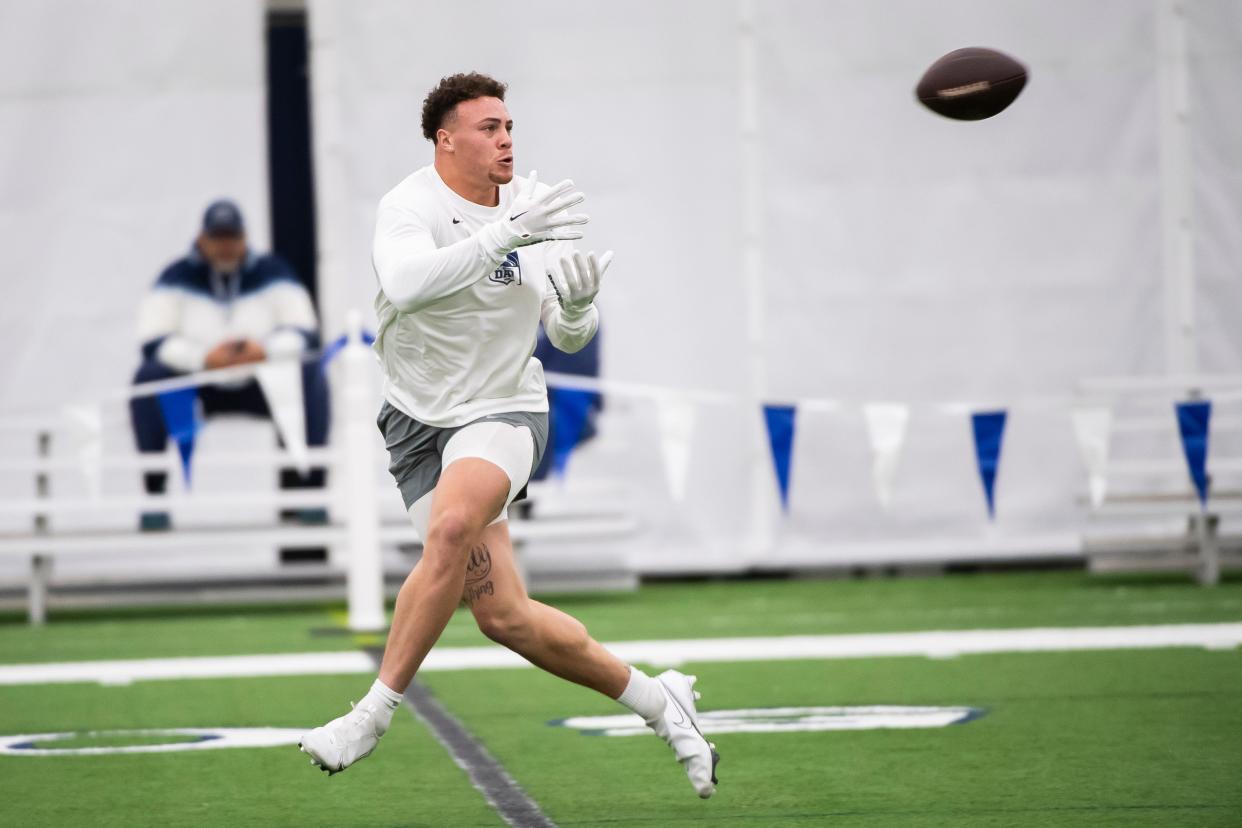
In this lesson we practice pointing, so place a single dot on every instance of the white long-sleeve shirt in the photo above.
(458, 316)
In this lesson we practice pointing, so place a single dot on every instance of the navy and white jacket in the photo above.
(191, 309)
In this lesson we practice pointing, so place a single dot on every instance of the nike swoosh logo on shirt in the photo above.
(456, 221)
(519, 215)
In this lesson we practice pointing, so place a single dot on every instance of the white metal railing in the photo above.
(1175, 497)
(317, 455)
(353, 496)
(365, 507)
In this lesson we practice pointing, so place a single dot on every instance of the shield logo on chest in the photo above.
(509, 272)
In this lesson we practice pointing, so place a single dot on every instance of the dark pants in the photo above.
(152, 436)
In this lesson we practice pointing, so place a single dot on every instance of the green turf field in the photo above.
(663, 610)
(269, 786)
(1118, 738)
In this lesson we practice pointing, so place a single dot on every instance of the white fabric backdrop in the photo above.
(1216, 116)
(904, 257)
(119, 122)
(984, 262)
(601, 93)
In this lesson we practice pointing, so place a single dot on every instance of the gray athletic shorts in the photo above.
(415, 449)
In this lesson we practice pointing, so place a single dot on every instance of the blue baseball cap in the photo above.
(223, 218)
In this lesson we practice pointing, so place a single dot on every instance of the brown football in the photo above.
(971, 84)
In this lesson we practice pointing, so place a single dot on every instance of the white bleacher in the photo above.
(55, 532)
(1151, 518)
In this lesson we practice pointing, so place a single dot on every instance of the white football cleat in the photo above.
(679, 726)
(343, 741)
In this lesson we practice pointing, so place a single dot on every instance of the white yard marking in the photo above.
(939, 644)
(124, 672)
(209, 738)
(786, 720)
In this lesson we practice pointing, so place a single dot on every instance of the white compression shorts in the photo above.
(510, 447)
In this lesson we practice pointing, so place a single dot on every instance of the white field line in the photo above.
(212, 739)
(939, 644)
(786, 720)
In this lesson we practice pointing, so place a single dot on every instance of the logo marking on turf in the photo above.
(200, 738)
(786, 720)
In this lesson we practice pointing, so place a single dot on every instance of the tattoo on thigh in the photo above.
(479, 566)
(474, 593)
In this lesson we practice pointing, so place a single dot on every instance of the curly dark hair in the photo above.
(450, 91)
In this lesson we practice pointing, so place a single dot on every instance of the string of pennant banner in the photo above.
(573, 397)
(886, 425)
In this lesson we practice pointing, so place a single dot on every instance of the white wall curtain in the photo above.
(904, 257)
(119, 122)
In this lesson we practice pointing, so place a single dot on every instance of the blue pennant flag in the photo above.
(1193, 419)
(989, 428)
(780, 421)
(570, 409)
(334, 348)
(181, 422)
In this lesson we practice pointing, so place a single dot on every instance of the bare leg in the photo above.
(465, 559)
(543, 635)
(470, 494)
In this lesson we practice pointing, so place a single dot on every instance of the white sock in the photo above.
(643, 695)
(385, 700)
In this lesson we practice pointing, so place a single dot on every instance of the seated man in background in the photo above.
(219, 306)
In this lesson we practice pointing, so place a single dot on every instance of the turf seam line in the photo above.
(501, 790)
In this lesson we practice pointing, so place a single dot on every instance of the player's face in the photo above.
(482, 139)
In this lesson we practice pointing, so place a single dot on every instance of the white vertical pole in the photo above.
(330, 127)
(41, 565)
(364, 576)
(1206, 529)
(1176, 192)
(40, 575)
(762, 485)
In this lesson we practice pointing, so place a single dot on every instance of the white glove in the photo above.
(533, 219)
(577, 279)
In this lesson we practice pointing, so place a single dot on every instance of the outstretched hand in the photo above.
(534, 219)
(577, 278)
